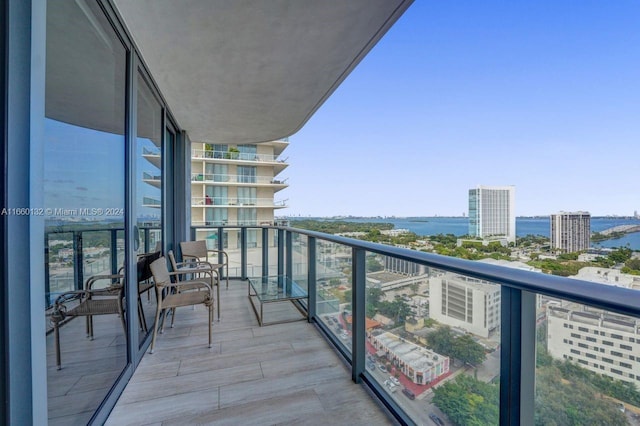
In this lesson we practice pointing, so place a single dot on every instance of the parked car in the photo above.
(382, 368)
(409, 394)
(394, 380)
(437, 420)
(392, 388)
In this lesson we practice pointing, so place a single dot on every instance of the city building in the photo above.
(419, 364)
(570, 232)
(492, 212)
(467, 303)
(598, 340)
(403, 267)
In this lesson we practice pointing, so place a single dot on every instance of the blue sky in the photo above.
(542, 95)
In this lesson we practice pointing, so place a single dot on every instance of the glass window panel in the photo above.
(84, 189)
(149, 192)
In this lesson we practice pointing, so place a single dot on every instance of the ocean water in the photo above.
(524, 226)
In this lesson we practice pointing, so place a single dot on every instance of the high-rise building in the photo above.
(236, 185)
(570, 232)
(492, 212)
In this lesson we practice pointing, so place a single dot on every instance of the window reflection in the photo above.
(84, 208)
(148, 195)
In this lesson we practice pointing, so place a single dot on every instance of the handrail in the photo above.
(226, 178)
(623, 300)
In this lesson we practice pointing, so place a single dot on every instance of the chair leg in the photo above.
(56, 334)
(90, 319)
(155, 324)
(210, 321)
(173, 316)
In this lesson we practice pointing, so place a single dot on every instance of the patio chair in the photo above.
(198, 251)
(196, 269)
(171, 295)
(87, 303)
(145, 284)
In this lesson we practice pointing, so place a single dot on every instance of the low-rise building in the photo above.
(419, 364)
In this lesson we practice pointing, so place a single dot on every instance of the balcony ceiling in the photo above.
(253, 71)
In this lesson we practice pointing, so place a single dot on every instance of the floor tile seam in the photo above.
(123, 404)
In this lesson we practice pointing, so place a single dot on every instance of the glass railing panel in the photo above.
(299, 256)
(333, 289)
(272, 244)
(61, 259)
(587, 365)
(96, 253)
(432, 340)
(254, 252)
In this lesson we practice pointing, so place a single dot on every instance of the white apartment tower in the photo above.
(492, 212)
(570, 232)
(236, 185)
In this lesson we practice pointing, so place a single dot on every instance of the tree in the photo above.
(441, 340)
(373, 265)
(467, 350)
(468, 401)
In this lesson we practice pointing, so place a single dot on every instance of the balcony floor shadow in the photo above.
(277, 374)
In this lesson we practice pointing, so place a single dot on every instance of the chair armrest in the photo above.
(224, 253)
(192, 284)
(92, 280)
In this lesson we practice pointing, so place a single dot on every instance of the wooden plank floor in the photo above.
(277, 374)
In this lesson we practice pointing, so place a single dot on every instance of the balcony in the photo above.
(277, 374)
(237, 202)
(153, 180)
(152, 156)
(288, 372)
(239, 180)
(240, 158)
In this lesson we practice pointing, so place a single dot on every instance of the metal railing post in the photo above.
(281, 235)
(311, 277)
(114, 251)
(78, 273)
(243, 253)
(289, 254)
(358, 284)
(510, 355)
(265, 252)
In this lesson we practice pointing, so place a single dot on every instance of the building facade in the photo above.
(236, 185)
(492, 212)
(419, 364)
(596, 340)
(466, 303)
(570, 232)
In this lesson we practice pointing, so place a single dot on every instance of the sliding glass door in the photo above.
(84, 209)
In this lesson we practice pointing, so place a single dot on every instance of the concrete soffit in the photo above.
(249, 71)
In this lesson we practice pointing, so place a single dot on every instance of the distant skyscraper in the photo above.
(571, 232)
(492, 212)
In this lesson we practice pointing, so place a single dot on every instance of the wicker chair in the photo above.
(145, 284)
(197, 269)
(171, 295)
(198, 251)
(87, 303)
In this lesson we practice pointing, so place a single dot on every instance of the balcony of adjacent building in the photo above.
(240, 158)
(212, 179)
(210, 202)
